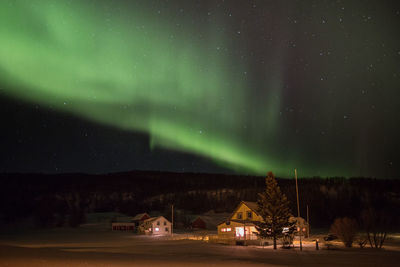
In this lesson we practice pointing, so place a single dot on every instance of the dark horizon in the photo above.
(222, 174)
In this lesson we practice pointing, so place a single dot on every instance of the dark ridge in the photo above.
(36, 195)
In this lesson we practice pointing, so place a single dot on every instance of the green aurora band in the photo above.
(132, 72)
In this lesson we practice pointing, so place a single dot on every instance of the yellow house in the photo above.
(240, 225)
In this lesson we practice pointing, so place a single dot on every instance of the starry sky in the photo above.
(201, 86)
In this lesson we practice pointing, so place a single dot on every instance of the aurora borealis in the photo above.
(252, 86)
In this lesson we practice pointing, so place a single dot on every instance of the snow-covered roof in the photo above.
(154, 218)
(251, 205)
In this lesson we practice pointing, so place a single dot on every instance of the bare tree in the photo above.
(346, 229)
(375, 225)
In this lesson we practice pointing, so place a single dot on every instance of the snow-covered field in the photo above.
(96, 247)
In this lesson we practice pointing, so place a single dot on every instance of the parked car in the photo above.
(330, 237)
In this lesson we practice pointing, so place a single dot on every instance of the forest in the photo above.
(53, 200)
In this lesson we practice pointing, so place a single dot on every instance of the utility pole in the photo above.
(172, 225)
(298, 209)
(308, 224)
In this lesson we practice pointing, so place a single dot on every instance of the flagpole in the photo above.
(298, 209)
(308, 224)
(172, 219)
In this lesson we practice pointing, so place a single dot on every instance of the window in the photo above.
(239, 215)
(166, 229)
(223, 229)
(157, 229)
(249, 215)
(228, 229)
(165, 223)
(158, 223)
(239, 231)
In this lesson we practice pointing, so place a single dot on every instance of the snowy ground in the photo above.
(95, 247)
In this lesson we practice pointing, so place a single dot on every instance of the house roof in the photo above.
(253, 206)
(212, 220)
(155, 218)
(139, 216)
(122, 219)
(150, 219)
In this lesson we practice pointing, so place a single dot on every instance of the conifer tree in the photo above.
(273, 206)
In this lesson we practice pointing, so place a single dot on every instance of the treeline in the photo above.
(57, 200)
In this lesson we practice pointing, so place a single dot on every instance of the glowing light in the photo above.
(157, 229)
(239, 231)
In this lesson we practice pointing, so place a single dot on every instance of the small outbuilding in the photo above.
(207, 221)
(198, 223)
(303, 228)
(123, 224)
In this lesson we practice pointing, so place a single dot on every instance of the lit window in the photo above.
(149, 229)
(239, 231)
(157, 229)
(223, 229)
(228, 229)
(304, 229)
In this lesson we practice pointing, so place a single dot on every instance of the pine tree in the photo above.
(273, 206)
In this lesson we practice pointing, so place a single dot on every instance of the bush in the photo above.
(346, 229)
(287, 240)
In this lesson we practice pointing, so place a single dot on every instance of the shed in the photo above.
(123, 224)
(198, 223)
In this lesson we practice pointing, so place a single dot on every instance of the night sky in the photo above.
(201, 86)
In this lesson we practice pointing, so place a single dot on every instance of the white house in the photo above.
(156, 226)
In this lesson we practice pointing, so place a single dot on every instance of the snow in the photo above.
(94, 247)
